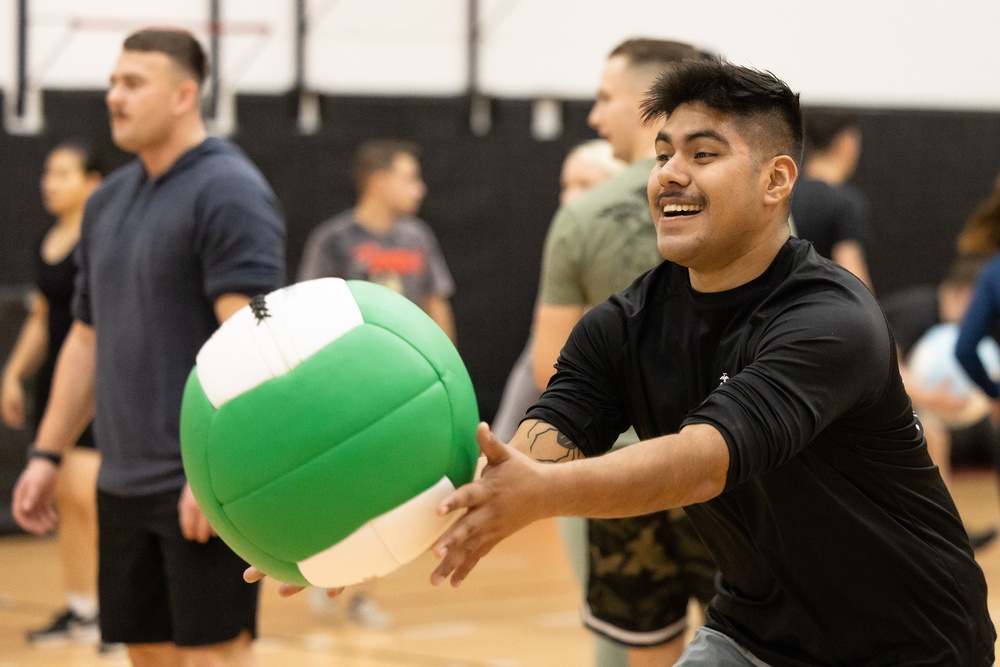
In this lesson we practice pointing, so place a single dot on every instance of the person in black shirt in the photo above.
(763, 381)
(72, 172)
(828, 211)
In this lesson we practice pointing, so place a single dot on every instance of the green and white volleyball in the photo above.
(321, 427)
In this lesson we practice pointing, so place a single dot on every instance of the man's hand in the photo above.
(510, 494)
(252, 575)
(33, 495)
(194, 525)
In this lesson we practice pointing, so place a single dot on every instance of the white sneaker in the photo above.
(366, 613)
(320, 603)
(67, 626)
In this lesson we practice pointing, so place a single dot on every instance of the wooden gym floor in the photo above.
(518, 608)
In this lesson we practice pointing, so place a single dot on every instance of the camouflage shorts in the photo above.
(643, 572)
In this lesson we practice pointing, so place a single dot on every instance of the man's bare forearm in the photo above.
(665, 472)
(544, 443)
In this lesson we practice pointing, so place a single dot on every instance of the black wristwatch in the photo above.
(51, 457)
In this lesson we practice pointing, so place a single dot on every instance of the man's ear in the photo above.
(782, 173)
(187, 96)
(376, 183)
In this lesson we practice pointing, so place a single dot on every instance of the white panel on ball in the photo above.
(314, 328)
(360, 556)
(386, 542)
(406, 529)
(253, 347)
(238, 357)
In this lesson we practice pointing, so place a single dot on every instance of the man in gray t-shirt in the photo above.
(380, 240)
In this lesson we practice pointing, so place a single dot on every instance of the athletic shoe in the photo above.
(67, 626)
(367, 614)
(104, 648)
(320, 603)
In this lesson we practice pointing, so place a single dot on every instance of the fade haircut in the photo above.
(178, 45)
(769, 110)
(822, 126)
(378, 155)
(642, 52)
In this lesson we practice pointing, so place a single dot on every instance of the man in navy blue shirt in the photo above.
(172, 244)
(763, 382)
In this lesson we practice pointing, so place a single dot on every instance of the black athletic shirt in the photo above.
(826, 215)
(55, 282)
(836, 539)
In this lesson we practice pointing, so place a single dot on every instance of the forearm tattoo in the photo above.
(551, 449)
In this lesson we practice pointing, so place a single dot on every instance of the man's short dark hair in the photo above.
(753, 95)
(660, 52)
(178, 45)
(822, 125)
(378, 155)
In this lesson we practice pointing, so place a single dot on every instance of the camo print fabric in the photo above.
(643, 571)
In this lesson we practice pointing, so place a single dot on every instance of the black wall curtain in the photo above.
(490, 199)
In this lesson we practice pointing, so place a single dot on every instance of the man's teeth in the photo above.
(681, 208)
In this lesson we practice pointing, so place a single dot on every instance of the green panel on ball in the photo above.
(289, 420)
(326, 499)
(382, 307)
(195, 430)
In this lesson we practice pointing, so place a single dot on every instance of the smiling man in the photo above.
(763, 382)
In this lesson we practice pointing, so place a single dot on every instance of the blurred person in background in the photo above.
(982, 234)
(381, 239)
(826, 210)
(642, 571)
(586, 166)
(72, 172)
(172, 244)
(954, 412)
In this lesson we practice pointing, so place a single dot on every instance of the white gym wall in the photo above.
(871, 53)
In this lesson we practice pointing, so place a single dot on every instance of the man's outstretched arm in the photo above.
(515, 489)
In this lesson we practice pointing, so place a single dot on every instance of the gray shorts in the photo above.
(711, 648)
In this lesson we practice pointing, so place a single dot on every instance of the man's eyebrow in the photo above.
(707, 134)
(693, 136)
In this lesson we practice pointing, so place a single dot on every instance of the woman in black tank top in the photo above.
(71, 175)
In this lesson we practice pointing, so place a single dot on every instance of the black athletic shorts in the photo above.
(643, 572)
(156, 586)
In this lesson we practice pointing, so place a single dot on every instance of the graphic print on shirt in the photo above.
(387, 266)
(632, 219)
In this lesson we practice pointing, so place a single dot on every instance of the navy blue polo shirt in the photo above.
(154, 256)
